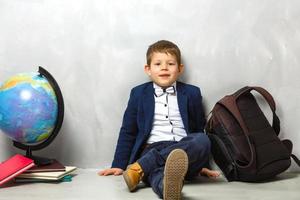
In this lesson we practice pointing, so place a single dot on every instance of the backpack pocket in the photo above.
(223, 158)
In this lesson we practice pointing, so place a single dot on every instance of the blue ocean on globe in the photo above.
(28, 108)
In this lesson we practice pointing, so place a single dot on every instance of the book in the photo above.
(53, 167)
(48, 175)
(14, 166)
(67, 178)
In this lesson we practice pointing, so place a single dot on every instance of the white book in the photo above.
(48, 175)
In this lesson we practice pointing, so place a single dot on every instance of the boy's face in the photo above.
(164, 69)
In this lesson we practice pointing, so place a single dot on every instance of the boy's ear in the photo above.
(181, 68)
(147, 70)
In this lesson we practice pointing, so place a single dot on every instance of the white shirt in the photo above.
(167, 122)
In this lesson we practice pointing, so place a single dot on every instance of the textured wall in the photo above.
(96, 51)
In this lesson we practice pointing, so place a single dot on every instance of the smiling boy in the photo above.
(161, 140)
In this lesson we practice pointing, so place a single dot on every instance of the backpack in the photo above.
(244, 144)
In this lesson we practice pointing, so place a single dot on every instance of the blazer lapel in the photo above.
(182, 104)
(148, 105)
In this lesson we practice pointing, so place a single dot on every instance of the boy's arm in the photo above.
(199, 112)
(127, 134)
(200, 124)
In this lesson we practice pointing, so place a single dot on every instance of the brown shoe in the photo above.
(175, 169)
(133, 175)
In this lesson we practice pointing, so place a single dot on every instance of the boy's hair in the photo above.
(163, 46)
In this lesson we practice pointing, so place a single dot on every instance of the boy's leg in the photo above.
(196, 145)
(198, 152)
(155, 180)
(174, 173)
(135, 172)
(167, 181)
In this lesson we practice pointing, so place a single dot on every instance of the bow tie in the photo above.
(159, 91)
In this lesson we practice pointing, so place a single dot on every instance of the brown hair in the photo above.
(163, 46)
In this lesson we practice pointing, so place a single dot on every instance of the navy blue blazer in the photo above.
(138, 119)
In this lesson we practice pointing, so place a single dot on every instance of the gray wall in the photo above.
(96, 51)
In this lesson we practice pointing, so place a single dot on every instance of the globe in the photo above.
(28, 108)
(31, 109)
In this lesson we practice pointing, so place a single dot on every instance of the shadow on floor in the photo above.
(222, 179)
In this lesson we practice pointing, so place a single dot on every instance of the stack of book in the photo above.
(23, 169)
(47, 173)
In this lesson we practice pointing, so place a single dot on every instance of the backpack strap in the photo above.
(268, 97)
(289, 145)
(296, 159)
(229, 102)
(276, 121)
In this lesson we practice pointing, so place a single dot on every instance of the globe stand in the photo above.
(39, 161)
(60, 115)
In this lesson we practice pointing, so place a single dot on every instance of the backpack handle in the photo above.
(260, 90)
(268, 97)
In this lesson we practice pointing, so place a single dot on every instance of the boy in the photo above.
(162, 131)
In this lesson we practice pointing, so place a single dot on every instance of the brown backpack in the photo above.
(244, 144)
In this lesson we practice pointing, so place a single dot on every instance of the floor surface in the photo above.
(87, 185)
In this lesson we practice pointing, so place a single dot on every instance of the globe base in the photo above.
(39, 161)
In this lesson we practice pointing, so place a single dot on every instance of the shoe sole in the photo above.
(175, 170)
(129, 184)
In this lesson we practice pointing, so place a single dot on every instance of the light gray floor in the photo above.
(87, 185)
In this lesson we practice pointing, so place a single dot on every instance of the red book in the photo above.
(13, 167)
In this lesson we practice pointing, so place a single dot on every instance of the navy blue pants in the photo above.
(153, 158)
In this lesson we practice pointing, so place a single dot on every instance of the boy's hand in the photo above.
(209, 173)
(111, 171)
